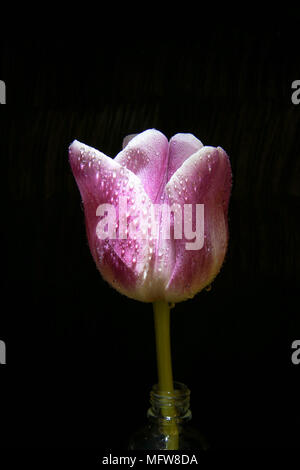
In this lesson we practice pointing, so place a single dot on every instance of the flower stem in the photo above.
(164, 367)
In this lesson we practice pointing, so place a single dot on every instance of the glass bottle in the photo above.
(168, 426)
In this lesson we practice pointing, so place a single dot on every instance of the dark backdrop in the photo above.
(81, 357)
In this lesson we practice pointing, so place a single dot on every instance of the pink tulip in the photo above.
(150, 170)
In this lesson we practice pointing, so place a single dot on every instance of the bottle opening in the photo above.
(170, 405)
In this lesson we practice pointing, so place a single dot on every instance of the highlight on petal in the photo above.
(146, 155)
(181, 147)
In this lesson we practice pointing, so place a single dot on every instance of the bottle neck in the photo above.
(170, 406)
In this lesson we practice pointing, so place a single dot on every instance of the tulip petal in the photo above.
(204, 178)
(181, 147)
(123, 262)
(146, 155)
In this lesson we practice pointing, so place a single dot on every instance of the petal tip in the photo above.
(74, 144)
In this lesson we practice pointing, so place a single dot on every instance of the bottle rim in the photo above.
(180, 392)
(171, 404)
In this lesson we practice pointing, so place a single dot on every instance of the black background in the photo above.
(81, 357)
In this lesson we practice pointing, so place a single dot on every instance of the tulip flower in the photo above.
(156, 221)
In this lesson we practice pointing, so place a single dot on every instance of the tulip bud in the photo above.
(156, 214)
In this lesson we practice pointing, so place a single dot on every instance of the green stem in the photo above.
(164, 368)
